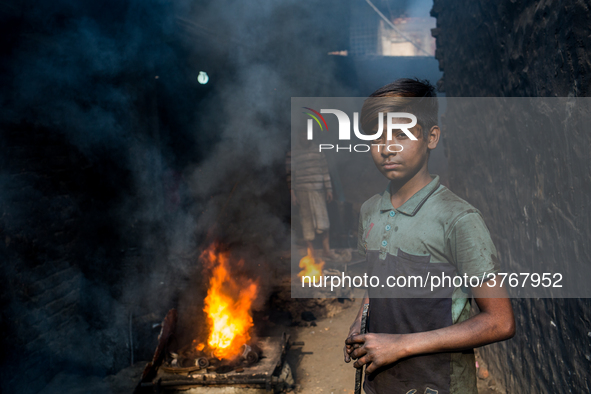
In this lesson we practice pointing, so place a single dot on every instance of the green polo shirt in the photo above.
(433, 233)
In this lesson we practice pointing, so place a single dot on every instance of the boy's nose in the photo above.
(387, 153)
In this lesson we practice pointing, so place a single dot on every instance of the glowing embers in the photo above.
(198, 357)
(224, 352)
(227, 305)
(311, 269)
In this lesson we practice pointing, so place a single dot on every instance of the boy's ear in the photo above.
(433, 137)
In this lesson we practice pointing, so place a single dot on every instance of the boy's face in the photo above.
(404, 165)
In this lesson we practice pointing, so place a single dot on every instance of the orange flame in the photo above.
(310, 267)
(227, 306)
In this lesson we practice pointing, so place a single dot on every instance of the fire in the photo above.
(310, 267)
(227, 306)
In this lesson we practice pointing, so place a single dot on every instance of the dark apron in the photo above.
(431, 373)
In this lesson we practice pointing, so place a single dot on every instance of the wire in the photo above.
(394, 27)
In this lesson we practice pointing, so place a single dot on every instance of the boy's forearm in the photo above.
(378, 350)
(479, 330)
(494, 323)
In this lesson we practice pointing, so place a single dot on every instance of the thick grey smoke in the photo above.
(166, 166)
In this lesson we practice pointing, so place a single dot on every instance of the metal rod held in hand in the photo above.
(359, 372)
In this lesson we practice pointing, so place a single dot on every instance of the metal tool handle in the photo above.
(359, 372)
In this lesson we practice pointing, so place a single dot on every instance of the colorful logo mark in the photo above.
(315, 116)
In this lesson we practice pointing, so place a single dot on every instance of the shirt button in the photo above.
(384, 243)
(392, 213)
(388, 227)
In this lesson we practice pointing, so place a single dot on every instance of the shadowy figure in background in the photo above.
(311, 189)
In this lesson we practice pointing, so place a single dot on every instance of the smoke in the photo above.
(157, 165)
(420, 9)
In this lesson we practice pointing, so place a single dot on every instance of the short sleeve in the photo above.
(472, 249)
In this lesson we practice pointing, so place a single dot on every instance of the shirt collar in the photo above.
(412, 206)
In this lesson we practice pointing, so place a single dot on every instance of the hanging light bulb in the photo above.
(202, 78)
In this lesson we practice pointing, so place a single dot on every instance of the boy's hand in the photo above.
(376, 350)
(354, 330)
(328, 195)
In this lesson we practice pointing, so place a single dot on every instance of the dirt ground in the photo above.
(319, 366)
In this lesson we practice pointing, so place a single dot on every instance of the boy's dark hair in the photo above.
(403, 95)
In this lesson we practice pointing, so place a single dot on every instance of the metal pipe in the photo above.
(359, 372)
(202, 362)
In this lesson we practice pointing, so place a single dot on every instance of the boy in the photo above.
(422, 345)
